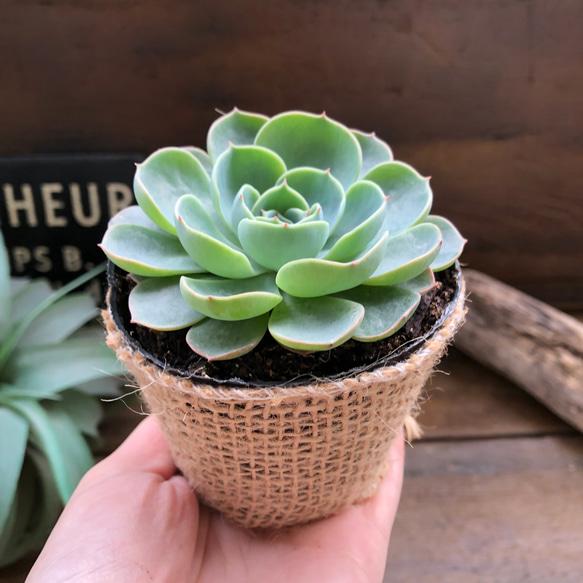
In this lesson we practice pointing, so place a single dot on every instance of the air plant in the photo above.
(294, 225)
(52, 367)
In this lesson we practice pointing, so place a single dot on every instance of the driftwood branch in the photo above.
(531, 343)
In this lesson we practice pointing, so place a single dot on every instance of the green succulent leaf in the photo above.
(363, 217)
(407, 255)
(158, 304)
(410, 196)
(146, 252)
(60, 320)
(280, 199)
(84, 410)
(13, 439)
(386, 309)
(421, 284)
(134, 215)
(240, 165)
(163, 178)
(201, 156)
(242, 205)
(222, 340)
(237, 127)
(274, 245)
(374, 151)
(61, 366)
(231, 299)
(304, 139)
(314, 323)
(204, 243)
(5, 293)
(318, 187)
(453, 243)
(307, 278)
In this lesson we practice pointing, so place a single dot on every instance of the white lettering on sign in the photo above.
(87, 208)
(22, 256)
(52, 205)
(14, 206)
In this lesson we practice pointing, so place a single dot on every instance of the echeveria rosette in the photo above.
(293, 224)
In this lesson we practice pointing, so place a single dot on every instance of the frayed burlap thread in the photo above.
(276, 457)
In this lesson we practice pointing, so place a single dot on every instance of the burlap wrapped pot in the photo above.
(280, 456)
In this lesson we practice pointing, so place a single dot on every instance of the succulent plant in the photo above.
(50, 374)
(293, 224)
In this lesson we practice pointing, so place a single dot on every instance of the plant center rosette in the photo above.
(294, 225)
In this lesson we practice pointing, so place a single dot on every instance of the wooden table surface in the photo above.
(493, 493)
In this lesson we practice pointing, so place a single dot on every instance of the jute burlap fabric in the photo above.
(282, 456)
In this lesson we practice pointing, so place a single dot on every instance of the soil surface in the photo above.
(271, 363)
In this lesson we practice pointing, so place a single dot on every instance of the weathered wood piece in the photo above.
(527, 341)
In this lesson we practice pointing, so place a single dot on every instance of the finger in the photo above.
(145, 450)
(382, 507)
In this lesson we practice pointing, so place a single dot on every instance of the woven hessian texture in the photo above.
(277, 457)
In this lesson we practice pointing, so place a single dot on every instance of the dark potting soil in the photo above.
(270, 362)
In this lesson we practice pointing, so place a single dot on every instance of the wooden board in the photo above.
(504, 510)
(483, 96)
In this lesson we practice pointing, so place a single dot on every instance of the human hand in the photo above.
(133, 519)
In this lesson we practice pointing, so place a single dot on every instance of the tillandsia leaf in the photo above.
(315, 323)
(60, 320)
(307, 278)
(74, 448)
(453, 243)
(374, 151)
(232, 299)
(84, 410)
(237, 127)
(407, 255)
(146, 252)
(201, 156)
(5, 292)
(386, 310)
(163, 178)
(13, 439)
(362, 218)
(17, 284)
(103, 387)
(46, 435)
(134, 215)
(410, 196)
(242, 205)
(221, 340)
(305, 139)
(61, 366)
(158, 304)
(204, 243)
(30, 296)
(9, 344)
(240, 165)
(274, 245)
(421, 284)
(280, 198)
(318, 187)
(8, 391)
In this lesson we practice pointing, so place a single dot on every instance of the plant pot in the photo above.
(276, 456)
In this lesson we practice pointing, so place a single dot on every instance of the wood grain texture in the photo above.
(496, 510)
(466, 400)
(536, 346)
(484, 96)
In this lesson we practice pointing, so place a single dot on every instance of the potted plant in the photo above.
(275, 298)
(52, 369)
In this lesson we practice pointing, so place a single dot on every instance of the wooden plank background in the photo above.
(483, 95)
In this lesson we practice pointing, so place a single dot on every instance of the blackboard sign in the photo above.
(54, 210)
